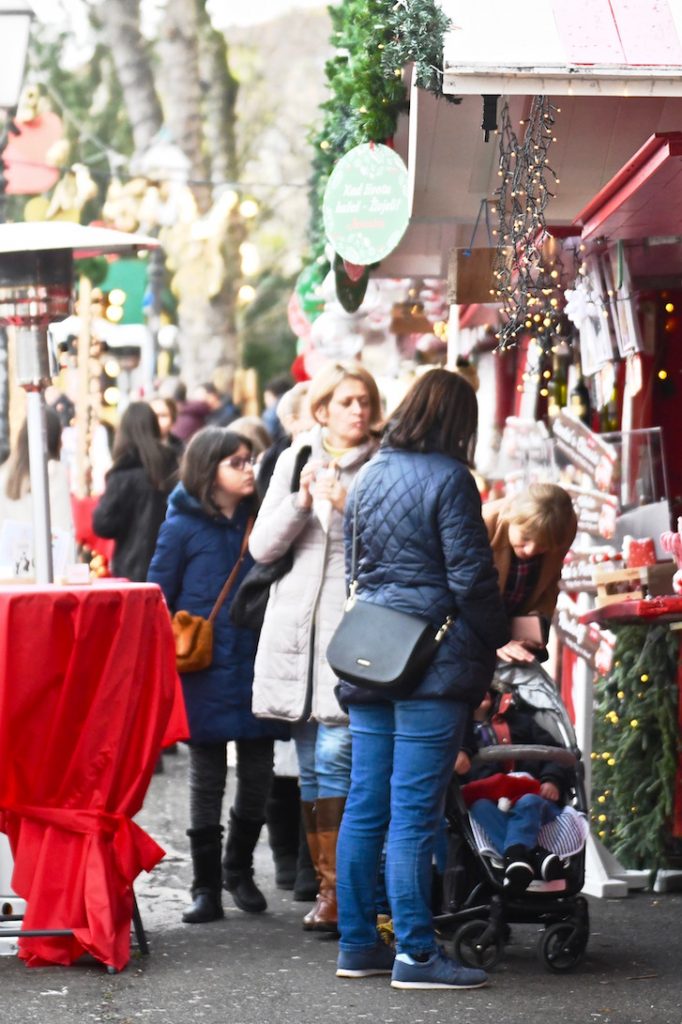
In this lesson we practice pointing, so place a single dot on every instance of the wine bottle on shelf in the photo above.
(579, 403)
(608, 415)
(558, 387)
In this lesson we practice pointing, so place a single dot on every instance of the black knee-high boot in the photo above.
(282, 816)
(305, 887)
(206, 848)
(242, 836)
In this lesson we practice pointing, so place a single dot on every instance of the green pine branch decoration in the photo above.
(417, 30)
(634, 758)
(374, 39)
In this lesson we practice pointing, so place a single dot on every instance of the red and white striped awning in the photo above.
(564, 47)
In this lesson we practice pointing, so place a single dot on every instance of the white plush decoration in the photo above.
(579, 304)
(336, 335)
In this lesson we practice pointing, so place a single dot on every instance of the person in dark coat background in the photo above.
(192, 417)
(198, 546)
(137, 486)
(422, 549)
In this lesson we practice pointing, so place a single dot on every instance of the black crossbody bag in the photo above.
(251, 599)
(378, 647)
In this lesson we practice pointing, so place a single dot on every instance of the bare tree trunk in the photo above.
(220, 100)
(178, 50)
(202, 339)
(199, 110)
(120, 27)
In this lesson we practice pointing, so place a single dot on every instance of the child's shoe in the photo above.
(518, 870)
(548, 865)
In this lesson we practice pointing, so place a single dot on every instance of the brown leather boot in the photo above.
(309, 817)
(329, 813)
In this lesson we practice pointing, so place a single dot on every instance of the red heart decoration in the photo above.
(353, 270)
(25, 155)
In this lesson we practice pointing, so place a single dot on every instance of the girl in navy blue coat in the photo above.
(199, 543)
(422, 549)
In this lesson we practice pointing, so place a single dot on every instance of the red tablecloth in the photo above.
(87, 690)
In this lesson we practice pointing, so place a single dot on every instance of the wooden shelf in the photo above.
(653, 580)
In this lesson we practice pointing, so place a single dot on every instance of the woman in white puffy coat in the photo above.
(293, 680)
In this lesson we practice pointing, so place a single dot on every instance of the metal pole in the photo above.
(37, 455)
(4, 368)
(156, 275)
(33, 374)
(84, 413)
(453, 338)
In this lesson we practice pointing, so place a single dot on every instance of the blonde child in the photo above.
(530, 534)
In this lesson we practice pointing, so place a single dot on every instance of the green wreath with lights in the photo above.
(634, 758)
(373, 40)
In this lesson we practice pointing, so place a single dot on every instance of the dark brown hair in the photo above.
(205, 451)
(138, 437)
(438, 414)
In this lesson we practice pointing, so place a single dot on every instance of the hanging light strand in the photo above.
(521, 198)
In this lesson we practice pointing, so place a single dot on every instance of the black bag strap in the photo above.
(229, 582)
(354, 539)
(302, 457)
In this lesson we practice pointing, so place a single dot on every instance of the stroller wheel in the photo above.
(562, 945)
(478, 944)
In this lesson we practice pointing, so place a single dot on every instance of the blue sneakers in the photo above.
(364, 964)
(437, 972)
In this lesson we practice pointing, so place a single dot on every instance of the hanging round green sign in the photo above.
(366, 205)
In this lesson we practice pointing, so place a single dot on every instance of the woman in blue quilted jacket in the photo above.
(199, 544)
(422, 549)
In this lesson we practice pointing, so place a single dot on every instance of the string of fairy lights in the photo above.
(521, 199)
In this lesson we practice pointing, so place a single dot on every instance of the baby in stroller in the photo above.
(510, 802)
(517, 830)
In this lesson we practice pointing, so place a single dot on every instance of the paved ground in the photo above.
(252, 969)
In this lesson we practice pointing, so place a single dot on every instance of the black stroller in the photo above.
(476, 911)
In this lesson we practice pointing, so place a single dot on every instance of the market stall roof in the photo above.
(452, 168)
(644, 198)
(564, 47)
(641, 206)
(613, 67)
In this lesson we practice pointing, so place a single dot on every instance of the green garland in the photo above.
(374, 39)
(634, 759)
(417, 29)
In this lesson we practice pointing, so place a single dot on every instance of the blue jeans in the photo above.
(324, 757)
(403, 758)
(518, 826)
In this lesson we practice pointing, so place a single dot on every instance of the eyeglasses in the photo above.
(239, 462)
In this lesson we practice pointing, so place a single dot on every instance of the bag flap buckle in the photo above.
(443, 629)
(352, 596)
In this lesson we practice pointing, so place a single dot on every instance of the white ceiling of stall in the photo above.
(454, 169)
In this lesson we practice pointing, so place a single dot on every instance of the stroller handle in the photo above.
(519, 751)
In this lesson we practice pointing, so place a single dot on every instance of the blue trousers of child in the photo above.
(517, 826)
